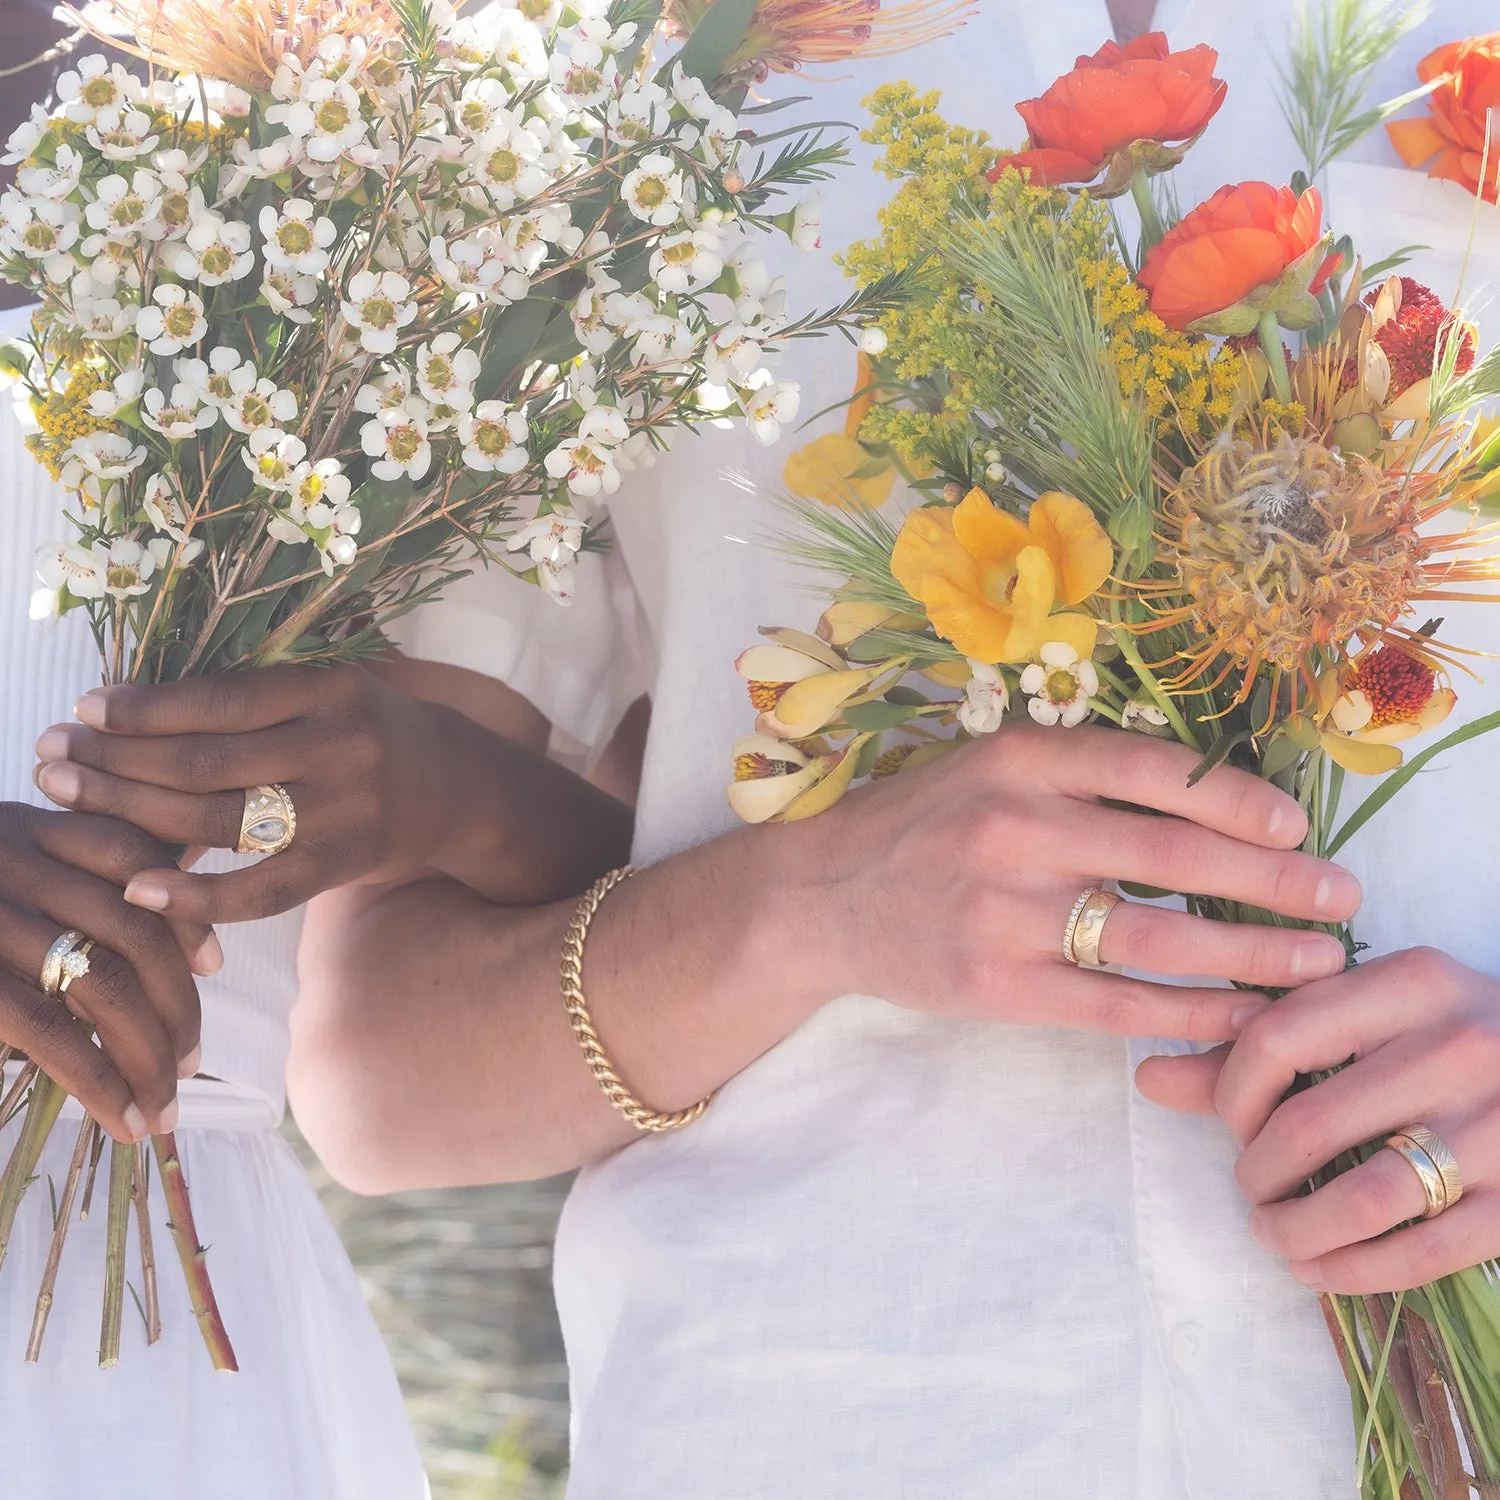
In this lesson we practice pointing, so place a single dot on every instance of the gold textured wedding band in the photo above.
(269, 822)
(1086, 926)
(75, 965)
(61, 958)
(1435, 1165)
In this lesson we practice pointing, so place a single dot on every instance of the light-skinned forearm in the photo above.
(432, 1047)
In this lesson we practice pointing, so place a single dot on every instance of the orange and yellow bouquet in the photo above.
(1216, 484)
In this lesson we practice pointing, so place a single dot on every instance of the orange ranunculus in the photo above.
(1251, 249)
(1451, 136)
(990, 582)
(1138, 106)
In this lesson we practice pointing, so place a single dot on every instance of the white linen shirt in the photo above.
(907, 1258)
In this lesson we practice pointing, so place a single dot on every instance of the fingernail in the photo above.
(1241, 1018)
(1338, 892)
(166, 1121)
(53, 745)
(90, 709)
(151, 894)
(189, 1066)
(1258, 1231)
(1318, 959)
(61, 781)
(135, 1122)
(209, 958)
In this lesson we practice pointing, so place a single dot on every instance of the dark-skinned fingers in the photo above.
(1155, 773)
(115, 851)
(1120, 1006)
(1466, 1235)
(47, 1033)
(1360, 1204)
(194, 763)
(72, 898)
(275, 885)
(211, 820)
(1325, 1023)
(1184, 1081)
(222, 703)
(1159, 941)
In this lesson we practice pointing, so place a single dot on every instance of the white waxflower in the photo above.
(761, 299)
(273, 458)
(653, 192)
(691, 94)
(105, 455)
(446, 372)
(255, 163)
(322, 483)
(494, 438)
(507, 163)
(396, 438)
(543, 14)
(517, 44)
(986, 699)
(807, 223)
(1059, 686)
(122, 208)
(122, 570)
(717, 143)
(165, 505)
(325, 117)
(122, 134)
(583, 75)
(386, 392)
(96, 87)
(65, 565)
(660, 340)
(103, 319)
(180, 202)
(112, 262)
(55, 179)
(39, 228)
(215, 250)
(172, 320)
(27, 136)
(592, 326)
(769, 404)
(641, 114)
(102, 501)
(874, 342)
(296, 239)
(586, 462)
(125, 390)
(731, 354)
(289, 295)
(262, 404)
(685, 262)
(465, 265)
(1147, 717)
(183, 416)
(219, 379)
(553, 542)
(483, 106)
(375, 306)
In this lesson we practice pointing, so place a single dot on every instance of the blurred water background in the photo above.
(460, 1282)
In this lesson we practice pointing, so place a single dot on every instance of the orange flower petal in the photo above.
(991, 536)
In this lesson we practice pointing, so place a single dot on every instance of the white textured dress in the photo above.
(314, 1412)
(908, 1258)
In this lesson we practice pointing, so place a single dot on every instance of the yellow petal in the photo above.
(1439, 706)
(1080, 548)
(776, 664)
(927, 548)
(865, 394)
(991, 536)
(1359, 756)
(1078, 631)
(828, 470)
(966, 618)
(829, 788)
(808, 645)
(949, 674)
(808, 705)
(1031, 601)
(1412, 405)
(849, 619)
(772, 749)
(761, 800)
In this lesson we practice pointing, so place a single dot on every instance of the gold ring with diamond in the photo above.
(63, 957)
(75, 965)
(1086, 926)
(1435, 1165)
(269, 823)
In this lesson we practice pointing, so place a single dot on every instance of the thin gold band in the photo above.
(642, 1116)
(52, 964)
(1435, 1165)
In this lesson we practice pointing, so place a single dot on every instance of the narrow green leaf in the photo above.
(1398, 778)
(869, 753)
(874, 716)
(1218, 753)
(909, 696)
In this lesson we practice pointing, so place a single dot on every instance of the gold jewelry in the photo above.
(642, 1116)
(75, 965)
(56, 961)
(269, 822)
(1086, 926)
(1434, 1164)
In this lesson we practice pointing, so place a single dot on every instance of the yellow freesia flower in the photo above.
(828, 470)
(799, 687)
(990, 583)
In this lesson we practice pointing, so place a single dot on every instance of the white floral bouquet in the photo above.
(352, 292)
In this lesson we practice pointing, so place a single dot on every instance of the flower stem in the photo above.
(140, 1197)
(59, 1234)
(1270, 340)
(1153, 231)
(1163, 700)
(116, 1229)
(41, 1114)
(191, 1254)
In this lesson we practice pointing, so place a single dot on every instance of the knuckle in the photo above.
(1149, 942)
(1169, 849)
(996, 832)
(1304, 1123)
(144, 933)
(17, 821)
(201, 763)
(279, 893)
(1429, 969)
(111, 982)
(221, 701)
(1379, 1199)
(222, 817)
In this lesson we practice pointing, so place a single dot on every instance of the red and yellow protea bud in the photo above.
(778, 782)
(799, 685)
(1386, 697)
(787, 34)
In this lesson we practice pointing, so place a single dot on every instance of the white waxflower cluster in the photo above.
(520, 266)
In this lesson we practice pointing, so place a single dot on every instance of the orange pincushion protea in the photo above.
(786, 34)
(1284, 554)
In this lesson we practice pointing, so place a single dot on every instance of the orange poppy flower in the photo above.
(1451, 136)
(1251, 249)
(1141, 105)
